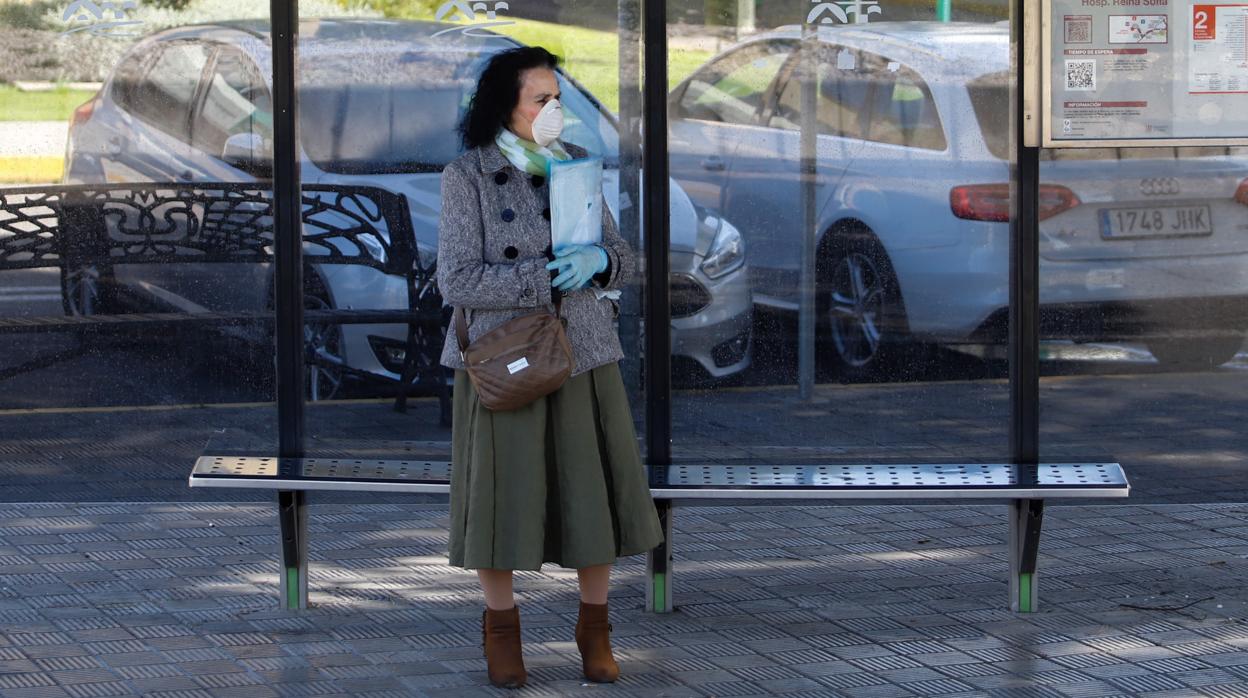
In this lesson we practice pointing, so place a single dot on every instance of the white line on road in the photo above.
(30, 294)
(29, 289)
(29, 298)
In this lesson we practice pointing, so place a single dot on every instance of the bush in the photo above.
(409, 9)
(720, 12)
(27, 54)
(32, 47)
(27, 15)
(169, 4)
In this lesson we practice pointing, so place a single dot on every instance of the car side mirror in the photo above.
(248, 152)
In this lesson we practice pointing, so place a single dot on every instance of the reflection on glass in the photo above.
(1145, 277)
(135, 237)
(911, 207)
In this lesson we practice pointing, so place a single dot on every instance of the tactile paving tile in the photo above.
(882, 617)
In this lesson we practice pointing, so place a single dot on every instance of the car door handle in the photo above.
(713, 164)
(186, 175)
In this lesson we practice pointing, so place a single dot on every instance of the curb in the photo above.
(31, 169)
(47, 86)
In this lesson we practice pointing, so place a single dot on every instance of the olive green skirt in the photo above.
(559, 480)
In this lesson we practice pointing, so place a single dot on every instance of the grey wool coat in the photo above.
(493, 247)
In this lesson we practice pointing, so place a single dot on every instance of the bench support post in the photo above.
(659, 564)
(292, 514)
(1026, 517)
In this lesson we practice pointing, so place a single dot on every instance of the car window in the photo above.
(990, 98)
(585, 125)
(236, 101)
(404, 117)
(902, 109)
(127, 78)
(164, 97)
(841, 104)
(731, 90)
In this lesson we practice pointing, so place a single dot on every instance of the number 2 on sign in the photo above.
(1202, 30)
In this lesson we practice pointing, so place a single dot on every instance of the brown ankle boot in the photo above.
(593, 637)
(500, 633)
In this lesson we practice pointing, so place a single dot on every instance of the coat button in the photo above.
(511, 252)
(537, 181)
(500, 178)
(546, 213)
(508, 215)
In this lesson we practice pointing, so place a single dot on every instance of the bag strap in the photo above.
(461, 321)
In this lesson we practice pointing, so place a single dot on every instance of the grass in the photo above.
(53, 105)
(592, 56)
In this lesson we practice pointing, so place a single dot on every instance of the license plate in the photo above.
(1156, 221)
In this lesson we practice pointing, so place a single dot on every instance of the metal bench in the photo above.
(1025, 488)
(87, 231)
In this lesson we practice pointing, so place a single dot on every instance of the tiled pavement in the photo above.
(179, 600)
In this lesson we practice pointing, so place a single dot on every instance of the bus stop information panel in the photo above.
(1145, 72)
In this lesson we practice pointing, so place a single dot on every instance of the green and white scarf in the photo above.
(528, 156)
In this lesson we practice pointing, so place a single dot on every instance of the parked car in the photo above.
(912, 200)
(379, 102)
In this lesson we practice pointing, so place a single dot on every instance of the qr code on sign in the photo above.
(1078, 29)
(1081, 76)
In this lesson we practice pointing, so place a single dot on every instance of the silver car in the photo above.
(912, 200)
(379, 102)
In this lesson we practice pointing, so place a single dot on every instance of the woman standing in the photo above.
(559, 480)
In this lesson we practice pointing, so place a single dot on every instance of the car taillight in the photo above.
(1054, 198)
(1241, 194)
(991, 202)
(83, 112)
(981, 202)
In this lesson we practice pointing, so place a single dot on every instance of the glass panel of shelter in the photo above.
(135, 275)
(907, 287)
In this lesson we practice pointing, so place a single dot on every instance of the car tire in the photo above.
(324, 340)
(862, 319)
(1203, 354)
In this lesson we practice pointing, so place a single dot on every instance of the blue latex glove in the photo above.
(577, 264)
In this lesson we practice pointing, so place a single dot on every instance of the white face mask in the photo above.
(548, 124)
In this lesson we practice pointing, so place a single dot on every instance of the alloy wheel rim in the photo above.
(323, 341)
(856, 309)
(83, 290)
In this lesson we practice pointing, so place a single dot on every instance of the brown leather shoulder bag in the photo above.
(525, 358)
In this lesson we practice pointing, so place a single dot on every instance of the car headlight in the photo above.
(373, 246)
(727, 252)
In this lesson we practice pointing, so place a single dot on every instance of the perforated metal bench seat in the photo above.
(694, 483)
(1025, 487)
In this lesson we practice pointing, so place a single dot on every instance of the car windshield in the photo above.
(394, 112)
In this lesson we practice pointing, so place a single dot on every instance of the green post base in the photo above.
(1025, 593)
(291, 601)
(659, 598)
(944, 10)
(659, 564)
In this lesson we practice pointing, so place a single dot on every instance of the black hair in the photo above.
(498, 90)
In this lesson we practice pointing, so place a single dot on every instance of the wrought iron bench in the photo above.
(1025, 488)
(86, 231)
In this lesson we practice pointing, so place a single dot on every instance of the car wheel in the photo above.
(323, 344)
(862, 318)
(1196, 354)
